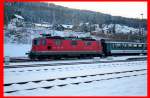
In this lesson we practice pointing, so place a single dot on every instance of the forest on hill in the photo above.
(44, 12)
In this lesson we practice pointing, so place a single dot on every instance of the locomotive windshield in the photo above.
(36, 42)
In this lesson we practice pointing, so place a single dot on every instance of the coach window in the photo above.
(112, 45)
(139, 45)
(74, 43)
(130, 45)
(118, 45)
(135, 45)
(125, 45)
(58, 42)
(44, 42)
(122, 45)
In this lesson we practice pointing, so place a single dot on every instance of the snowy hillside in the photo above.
(120, 28)
(21, 32)
(69, 34)
(27, 34)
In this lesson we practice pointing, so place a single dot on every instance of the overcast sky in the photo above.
(125, 9)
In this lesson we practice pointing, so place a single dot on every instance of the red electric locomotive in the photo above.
(62, 47)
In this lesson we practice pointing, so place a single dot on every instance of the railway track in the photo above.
(73, 80)
(71, 68)
(26, 59)
(72, 63)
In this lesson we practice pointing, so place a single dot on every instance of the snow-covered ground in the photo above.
(129, 86)
(16, 50)
(122, 86)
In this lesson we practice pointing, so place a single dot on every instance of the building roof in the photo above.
(67, 26)
(18, 16)
(42, 25)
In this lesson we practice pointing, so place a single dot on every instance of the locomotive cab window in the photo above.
(36, 42)
(74, 43)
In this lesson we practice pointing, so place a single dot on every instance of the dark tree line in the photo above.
(44, 12)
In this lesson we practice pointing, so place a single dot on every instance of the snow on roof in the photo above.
(43, 25)
(67, 26)
(18, 16)
(120, 28)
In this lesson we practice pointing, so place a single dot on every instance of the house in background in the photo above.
(16, 21)
(67, 27)
(63, 27)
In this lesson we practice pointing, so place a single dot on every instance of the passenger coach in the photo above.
(123, 48)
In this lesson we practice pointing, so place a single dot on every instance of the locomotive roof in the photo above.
(68, 38)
